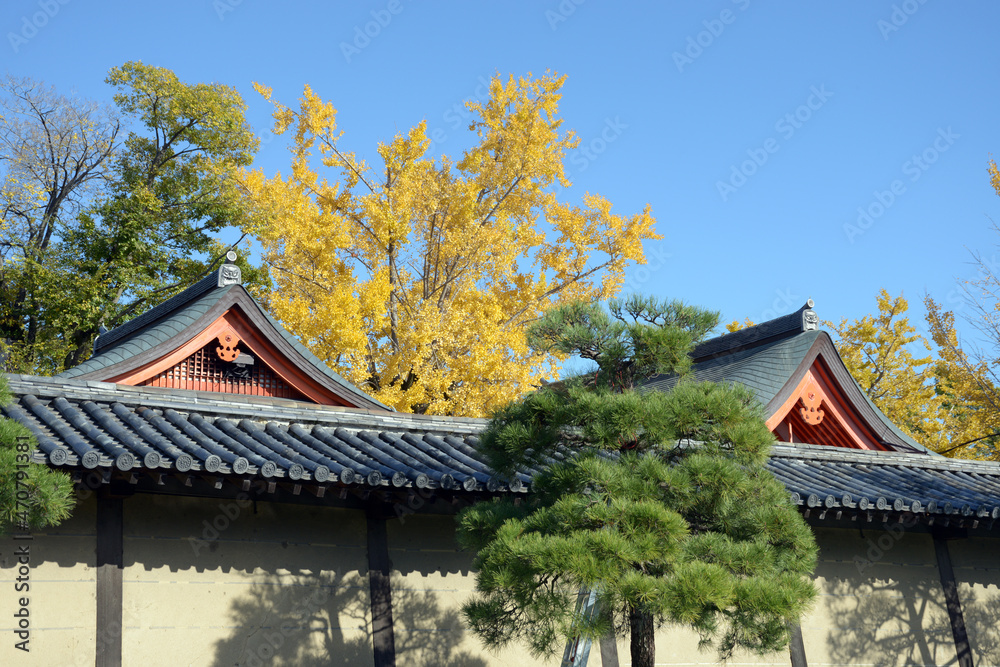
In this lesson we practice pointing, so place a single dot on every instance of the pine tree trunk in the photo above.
(641, 636)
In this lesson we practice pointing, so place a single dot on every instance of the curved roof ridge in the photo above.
(803, 319)
(227, 274)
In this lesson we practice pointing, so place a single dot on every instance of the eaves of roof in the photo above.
(139, 432)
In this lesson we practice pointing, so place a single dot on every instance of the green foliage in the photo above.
(32, 496)
(146, 233)
(659, 501)
(637, 337)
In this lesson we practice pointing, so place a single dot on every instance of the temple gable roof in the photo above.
(786, 361)
(156, 342)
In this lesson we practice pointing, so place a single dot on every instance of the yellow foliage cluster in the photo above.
(415, 279)
(736, 325)
(970, 396)
(878, 351)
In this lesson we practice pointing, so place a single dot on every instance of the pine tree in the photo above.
(658, 501)
(31, 494)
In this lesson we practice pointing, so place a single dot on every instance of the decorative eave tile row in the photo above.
(827, 478)
(107, 427)
(94, 425)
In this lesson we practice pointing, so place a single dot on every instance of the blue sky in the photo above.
(755, 130)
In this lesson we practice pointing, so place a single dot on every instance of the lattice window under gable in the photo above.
(205, 371)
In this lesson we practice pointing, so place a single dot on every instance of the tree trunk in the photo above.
(641, 636)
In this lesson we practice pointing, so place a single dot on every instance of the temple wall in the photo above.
(976, 563)
(431, 579)
(880, 602)
(216, 582)
(62, 599)
(676, 646)
(220, 582)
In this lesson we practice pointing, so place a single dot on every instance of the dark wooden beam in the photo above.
(383, 639)
(609, 651)
(796, 649)
(110, 559)
(952, 601)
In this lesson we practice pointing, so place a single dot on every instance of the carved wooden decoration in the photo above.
(812, 397)
(204, 371)
(228, 340)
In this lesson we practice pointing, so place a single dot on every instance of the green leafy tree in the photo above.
(641, 497)
(148, 231)
(55, 155)
(32, 495)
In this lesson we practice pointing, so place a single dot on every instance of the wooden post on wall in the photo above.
(962, 648)
(110, 561)
(796, 648)
(383, 639)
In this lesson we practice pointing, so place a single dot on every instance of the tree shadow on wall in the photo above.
(314, 620)
(880, 622)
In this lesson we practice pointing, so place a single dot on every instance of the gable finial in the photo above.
(229, 273)
(810, 320)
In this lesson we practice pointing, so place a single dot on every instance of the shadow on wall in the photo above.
(881, 622)
(313, 620)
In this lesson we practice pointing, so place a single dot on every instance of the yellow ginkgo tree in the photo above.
(879, 350)
(414, 276)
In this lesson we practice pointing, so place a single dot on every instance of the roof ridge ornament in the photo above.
(810, 320)
(229, 273)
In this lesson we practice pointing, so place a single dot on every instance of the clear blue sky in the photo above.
(833, 104)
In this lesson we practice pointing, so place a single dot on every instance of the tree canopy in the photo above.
(879, 350)
(94, 230)
(640, 497)
(415, 277)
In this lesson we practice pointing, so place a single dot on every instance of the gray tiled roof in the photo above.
(104, 426)
(101, 425)
(155, 331)
(771, 357)
(136, 324)
(765, 369)
(834, 478)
